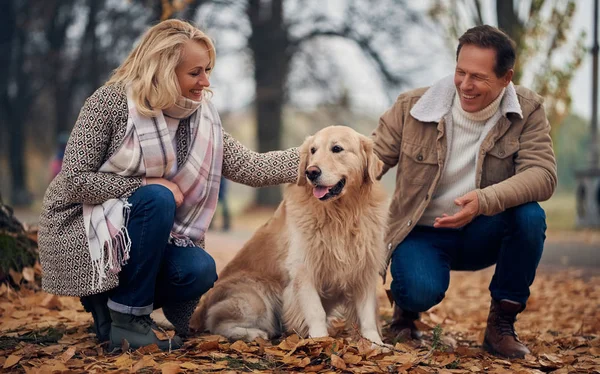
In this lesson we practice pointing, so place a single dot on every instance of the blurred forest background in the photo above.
(285, 68)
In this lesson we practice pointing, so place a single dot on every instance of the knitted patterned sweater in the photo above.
(97, 134)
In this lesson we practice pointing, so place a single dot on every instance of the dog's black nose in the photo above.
(313, 173)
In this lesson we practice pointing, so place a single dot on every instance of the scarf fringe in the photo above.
(115, 252)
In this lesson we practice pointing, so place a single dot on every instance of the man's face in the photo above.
(476, 83)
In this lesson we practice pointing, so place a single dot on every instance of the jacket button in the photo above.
(501, 153)
(390, 246)
(409, 222)
(420, 157)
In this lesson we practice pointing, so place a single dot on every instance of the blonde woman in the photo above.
(123, 223)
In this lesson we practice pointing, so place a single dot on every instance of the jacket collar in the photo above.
(436, 102)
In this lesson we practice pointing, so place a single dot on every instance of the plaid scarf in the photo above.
(147, 151)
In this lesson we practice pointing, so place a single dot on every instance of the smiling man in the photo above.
(474, 157)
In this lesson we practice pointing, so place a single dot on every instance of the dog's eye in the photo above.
(313, 150)
(336, 149)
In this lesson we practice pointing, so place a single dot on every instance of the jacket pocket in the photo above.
(419, 164)
(499, 163)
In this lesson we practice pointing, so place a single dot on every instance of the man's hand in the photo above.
(469, 204)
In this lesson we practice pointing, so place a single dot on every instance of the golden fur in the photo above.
(312, 256)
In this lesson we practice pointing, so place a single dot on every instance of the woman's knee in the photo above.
(155, 197)
(198, 276)
(156, 201)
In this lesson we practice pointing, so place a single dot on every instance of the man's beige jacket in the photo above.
(515, 163)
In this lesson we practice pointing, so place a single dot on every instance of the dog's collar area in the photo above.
(335, 190)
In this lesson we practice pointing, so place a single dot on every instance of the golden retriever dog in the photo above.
(321, 251)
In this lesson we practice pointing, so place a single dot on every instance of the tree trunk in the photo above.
(509, 22)
(270, 46)
(15, 108)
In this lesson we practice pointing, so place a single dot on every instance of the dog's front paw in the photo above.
(373, 336)
(318, 332)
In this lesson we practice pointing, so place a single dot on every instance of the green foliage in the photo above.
(454, 364)
(571, 145)
(437, 344)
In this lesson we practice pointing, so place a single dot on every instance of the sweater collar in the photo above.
(479, 116)
(436, 102)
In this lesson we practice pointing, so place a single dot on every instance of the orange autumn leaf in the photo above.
(164, 334)
(336, 361)
(68, 354)
(11, 361)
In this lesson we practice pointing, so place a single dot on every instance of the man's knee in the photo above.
(530, 214)
(417, 295)
(529, 219)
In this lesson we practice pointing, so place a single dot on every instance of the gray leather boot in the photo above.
(138, 331)
(179, 315)
(96, 304)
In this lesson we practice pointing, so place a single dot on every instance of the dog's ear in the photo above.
(303, 150)
(374, 166)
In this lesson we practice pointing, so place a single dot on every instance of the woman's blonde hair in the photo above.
(150, 67)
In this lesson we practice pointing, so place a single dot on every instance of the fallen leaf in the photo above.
(170, 368)
(145, 362)
(124, 361)
(67, 355)
(164, 334)
(51, 302)
(240, 346)
(364, 346)
(336, 361)
(314, 368)
(11, 361)
(208, 345)
(190, 366)
(349, 358)
(29, 274)
(16, 276)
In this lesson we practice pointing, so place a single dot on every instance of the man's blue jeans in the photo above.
(513, 240)
(158, 273)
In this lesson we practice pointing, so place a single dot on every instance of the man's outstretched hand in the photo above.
(469, 204)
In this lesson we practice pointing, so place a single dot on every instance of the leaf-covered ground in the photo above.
(41, 333)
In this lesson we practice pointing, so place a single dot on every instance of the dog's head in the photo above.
(335, 160)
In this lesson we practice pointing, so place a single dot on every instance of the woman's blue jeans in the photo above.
(513, 240)
(158, 273)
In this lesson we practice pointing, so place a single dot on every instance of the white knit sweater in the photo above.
(465, 133)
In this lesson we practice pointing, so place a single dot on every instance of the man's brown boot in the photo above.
(403, 324)
(500, 336)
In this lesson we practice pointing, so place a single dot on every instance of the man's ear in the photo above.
(508, 77)
(303, 150)
(373, 165)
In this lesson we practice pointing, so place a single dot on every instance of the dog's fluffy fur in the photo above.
(318, 252)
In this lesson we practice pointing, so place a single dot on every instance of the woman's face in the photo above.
(192, 72)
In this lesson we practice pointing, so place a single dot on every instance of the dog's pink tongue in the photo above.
(320, 191)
